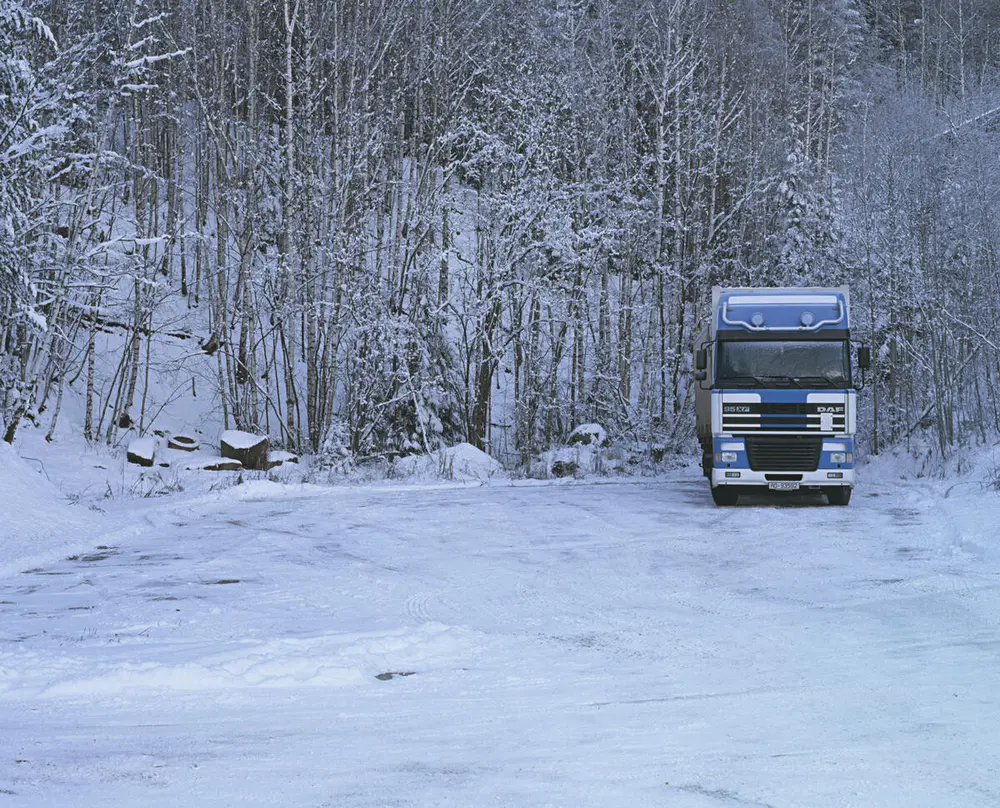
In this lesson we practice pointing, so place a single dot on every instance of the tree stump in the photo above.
(183, 442)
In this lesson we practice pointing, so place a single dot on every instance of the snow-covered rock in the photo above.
(277, 457)
(141, 451)
(202, 461)
(461, 462)
(251, 450)
(588, 451)
(589, 435)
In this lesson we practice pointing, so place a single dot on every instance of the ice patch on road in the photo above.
(333, 660)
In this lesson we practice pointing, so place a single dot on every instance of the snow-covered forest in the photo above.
(377, 226)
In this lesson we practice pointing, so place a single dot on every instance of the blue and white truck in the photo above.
(775, 398)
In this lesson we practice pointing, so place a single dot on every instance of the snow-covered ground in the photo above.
(509, 644)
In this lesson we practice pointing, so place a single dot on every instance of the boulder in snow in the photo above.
(251, 450)
(277, 457)
(564, 468)
(141, 451)
(589, 435)
(202, 461)
(225, 464)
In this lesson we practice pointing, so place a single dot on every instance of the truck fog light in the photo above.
(732, 474)
(757, 319)
(725, 457)
(838, 457)
(835, 475)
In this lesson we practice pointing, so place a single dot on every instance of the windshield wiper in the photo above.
(791, 381)
(826, 379)
(741, 380)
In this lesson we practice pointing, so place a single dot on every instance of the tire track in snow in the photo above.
(417, 607)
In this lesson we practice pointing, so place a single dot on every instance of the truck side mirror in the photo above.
(700, 359)
(864, 357)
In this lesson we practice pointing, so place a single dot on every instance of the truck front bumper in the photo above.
(806, 479)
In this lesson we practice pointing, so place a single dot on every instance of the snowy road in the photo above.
(539, 645)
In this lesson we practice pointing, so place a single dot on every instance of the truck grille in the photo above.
(783, 417)
(783, 452)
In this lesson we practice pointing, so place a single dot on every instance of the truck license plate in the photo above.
(783, 486)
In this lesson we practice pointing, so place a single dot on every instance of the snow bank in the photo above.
(38, 523)
(462, 462)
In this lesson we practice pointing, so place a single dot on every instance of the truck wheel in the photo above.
(725, 494)
(838, 495)
(706, 463)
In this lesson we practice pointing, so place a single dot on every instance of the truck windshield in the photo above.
(793, 363)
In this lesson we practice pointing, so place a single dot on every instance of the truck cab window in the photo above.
(804, 363)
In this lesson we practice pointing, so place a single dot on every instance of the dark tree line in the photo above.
(393, 224)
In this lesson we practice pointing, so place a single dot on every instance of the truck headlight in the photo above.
(725, 457)
(841, 457)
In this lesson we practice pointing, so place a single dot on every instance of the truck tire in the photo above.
(838, 494)
(725, 494)
(706, 463)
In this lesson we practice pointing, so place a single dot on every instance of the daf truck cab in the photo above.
(775, 400)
